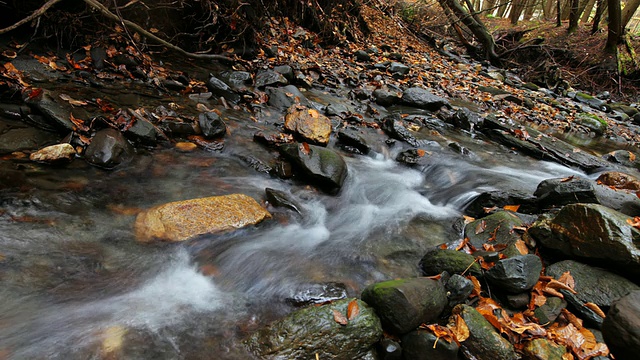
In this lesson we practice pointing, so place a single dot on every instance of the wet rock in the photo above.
(352, 139)
(25, 138)
(272, 138)
(269, 78)
(592, 101)
(389, 349)
(410, 157)
(183, 220)
(313, 331)
(424, 345)
(621, 328)
(108, 149)
(318, 294)
(484, 342)
(494, 229)
(211, 125)
(465, 119)
(394, 127)
(177, 127)
(454, 262)
(628, 110)
(362, 55)
(423, 99)
(404, 304)
(386, 97)
(549, 312)
(281, 199)
(396, 68)
(592, 232)
(322, 166)
(458, 289)
(489, 199)
(516, 274)
(284, 97)
(54, 154)
(142, 132)
(564, 191)
(592, 122)
(539, 349)
(518, 301)
(308, 124)
(220, 89)
(623, 157)
(237, 79)
(593, 284)
(337, 109)
(186, 146)
(174, 85)
(56, 112)
(98, 56)
(619, 180)
(286, 71)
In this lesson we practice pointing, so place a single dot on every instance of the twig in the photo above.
(36, 14)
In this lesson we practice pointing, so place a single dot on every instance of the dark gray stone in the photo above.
(386, 97)
(389, 349)
(25, 138)
(621, 328)
(404, 304)
(424, 345)
(465, 119)
(286, 71)
(484, 342)
(269, 78)
(282, 199)
(516, 274)
(410, 157)
(283, 97)
(458, 289)
(558, 192)
(322, 166)
(494, 229)
(397, 68)
(352, 139)
(313, 331)
(108, 149)
(220, 89)
(423, 99)
(592, 101)
(549, 312)
(528, 204)
(394, 127)
(623, 157)
(142, 132)
(454, 262)
(56, 111)
(362, 55)
(211, 125)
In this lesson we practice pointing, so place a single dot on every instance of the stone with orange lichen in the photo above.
(308, 124)
(184, 220)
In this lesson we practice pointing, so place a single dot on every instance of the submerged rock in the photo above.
(54, 154)
(315, 332)
(309, 124)
(211, 125)
(183, 220)
(621, 328)
(406, 303)
(284, 97)
(108, 149)
(322, 166)
(269, 78)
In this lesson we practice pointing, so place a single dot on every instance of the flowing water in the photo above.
(76, 284)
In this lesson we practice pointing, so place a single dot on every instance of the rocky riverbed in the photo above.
(369, 200)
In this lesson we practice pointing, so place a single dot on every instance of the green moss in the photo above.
(602, 121)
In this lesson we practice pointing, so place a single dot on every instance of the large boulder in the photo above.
(315, 332)
(423, 99)
(406, 303)
(322, 166)
(308, 124)
(183, 220)
(621, 328)
(108, 149)
(494, 229)
(593, 232)
(484, 342)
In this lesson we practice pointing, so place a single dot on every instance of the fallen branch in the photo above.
(36, 14)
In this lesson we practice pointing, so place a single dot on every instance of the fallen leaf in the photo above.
(72, 101)
(513, 208)
(339, 318)
(481, 227)
(10, 54)
(522, 247)
(459, 328)
(632, 156)
(353, 309)
(596, 309)
(567, 179)
(304, 147)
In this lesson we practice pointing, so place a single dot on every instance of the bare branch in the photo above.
(36, 14)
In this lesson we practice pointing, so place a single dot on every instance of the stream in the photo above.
(77, 285)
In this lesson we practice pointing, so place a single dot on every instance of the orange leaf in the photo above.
(596, 309)
(567, 179)
(459, 328)
(35, 93)
(513, 208)
(522, 247)
(353, 309)
(632, 156)
(304, 147)
(421, 152)
(339, 318)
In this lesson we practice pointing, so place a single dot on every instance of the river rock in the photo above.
(398, 69)
(454, 262)
(516, 274)
(318, 293)
(269, 78)
(458, 289)
(550, 310)
(591, 101)
(25, 138)
(54, 154)
(322, 166)
(282, 199)
(543, 349)
(424, 345)
(362, 55)
(56, 111)
(309, 124)
(394, 127)
(183, 220)
(284, 97)
(386, 97)
(142, 132)
(211, 125)
(593, 284)
(353, 141)
(498, 199)
(410, 156)
(423, 99)
(404, 304)
(621, 328)
(592, 122)
(593, 232)
(623, 157)
(619, 180)
(484, 342)
(495, 229)
(108, 149)
(314, 332)
(464, 119)
(220, 89)
(286, 71)
(563, 191)
(389, 349)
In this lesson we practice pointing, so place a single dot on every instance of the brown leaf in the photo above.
(632, 156)
(72, 101)
(304, 147)
(522, 247)
(567, 279)
(480, 228)
(513, 208)
(353, 309)
(596, 309)
(567, 179)
(339, 318)
(459, 328)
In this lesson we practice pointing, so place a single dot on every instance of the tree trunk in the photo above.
(477, 28)
(502, 8)
(529, 9)
(614, 33)
(517, 6)
(488, 6)
(574, 15)
(558, 14)
(602, 6)
(628, 11)
(587, 11)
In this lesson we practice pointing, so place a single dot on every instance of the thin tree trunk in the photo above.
(587, 11)
(628, 11)
(574, 15)
(614, 32)
(558, 14)
(489, 4)
(529, 9)
(502, 9)
(517, 6)
(547, 9)
(602, 6)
